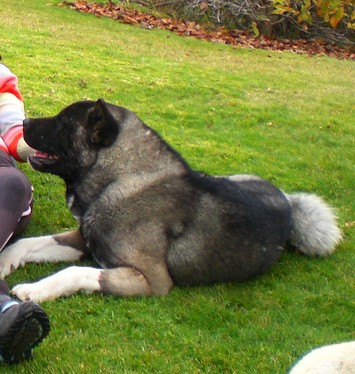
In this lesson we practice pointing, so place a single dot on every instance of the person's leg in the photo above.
(23, 325)
(15, 200)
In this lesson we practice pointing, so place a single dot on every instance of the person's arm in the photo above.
(12, 114)
(16, 145)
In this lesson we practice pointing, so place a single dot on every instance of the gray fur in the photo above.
(149, 220)
(314, 231)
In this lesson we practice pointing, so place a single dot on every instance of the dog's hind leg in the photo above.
(64, 283)
(125, 281)
(68, 246)
(128, 281)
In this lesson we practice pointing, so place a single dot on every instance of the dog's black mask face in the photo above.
(68, 144)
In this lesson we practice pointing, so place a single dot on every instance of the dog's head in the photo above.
(68, 143)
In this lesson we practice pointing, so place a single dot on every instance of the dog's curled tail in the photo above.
(315, 231)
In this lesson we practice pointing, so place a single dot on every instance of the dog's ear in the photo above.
(103, 125)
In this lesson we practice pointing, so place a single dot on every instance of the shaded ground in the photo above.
(221, 35)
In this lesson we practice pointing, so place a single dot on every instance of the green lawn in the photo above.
(286, 117)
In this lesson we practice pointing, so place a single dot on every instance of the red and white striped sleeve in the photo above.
(12, 114)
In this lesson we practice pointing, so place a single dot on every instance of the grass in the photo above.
(286, 117)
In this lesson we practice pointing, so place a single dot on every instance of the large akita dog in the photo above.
(150, 221)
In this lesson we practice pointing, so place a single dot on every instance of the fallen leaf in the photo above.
(218, 35)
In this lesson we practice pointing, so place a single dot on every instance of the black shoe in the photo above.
(22, 327)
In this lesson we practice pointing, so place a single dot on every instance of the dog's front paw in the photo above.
(9, 262)
(30, 291)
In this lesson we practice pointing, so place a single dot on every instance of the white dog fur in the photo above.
(330, 359)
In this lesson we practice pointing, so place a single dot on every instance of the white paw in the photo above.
(63, 283)
(31, 291)
(9, 261)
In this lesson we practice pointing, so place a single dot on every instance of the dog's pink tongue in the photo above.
(40, 154)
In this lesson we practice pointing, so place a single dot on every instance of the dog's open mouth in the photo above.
(40, 159)
(45, 155)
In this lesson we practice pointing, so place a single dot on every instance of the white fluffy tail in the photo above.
(315, 231)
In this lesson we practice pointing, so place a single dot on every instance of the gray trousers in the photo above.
(15, 199)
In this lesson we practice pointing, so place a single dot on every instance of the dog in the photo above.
(330, 359)
(148, 219)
